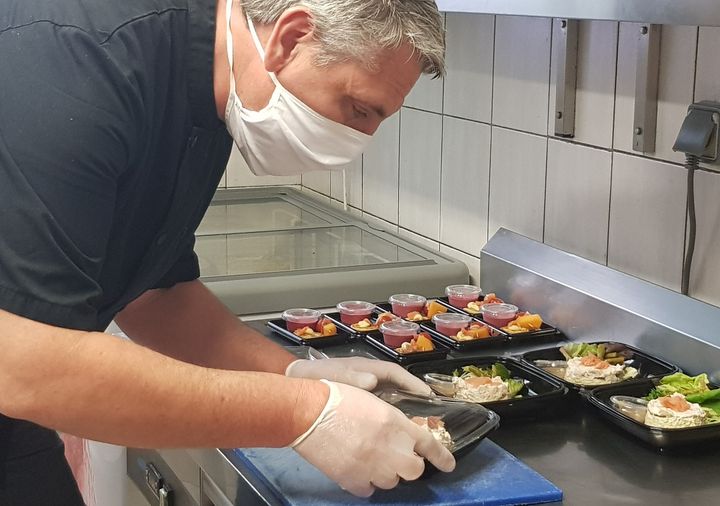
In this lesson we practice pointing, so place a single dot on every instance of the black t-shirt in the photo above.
(110, 151)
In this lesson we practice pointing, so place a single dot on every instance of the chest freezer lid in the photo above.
(266, 249)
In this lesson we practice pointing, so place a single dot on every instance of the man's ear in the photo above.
(293, 27)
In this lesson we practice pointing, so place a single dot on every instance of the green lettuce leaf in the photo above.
(680, 383)
(580, 349)
(500, 370)
(514, 386)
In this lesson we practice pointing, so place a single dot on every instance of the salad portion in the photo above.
(592, 364)
(489, 384)
(680, 401)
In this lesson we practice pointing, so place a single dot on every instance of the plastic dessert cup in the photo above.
(353, 311)
(498, 315)
(462, 295)
(404, 303)
(450, 323)
(396, 332)
(298, 318)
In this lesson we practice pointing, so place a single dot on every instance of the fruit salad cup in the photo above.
(451, 323)
(404, 303)
(498, 315)
(353, 311)
(460, 296)
(298, 318)
(396, 332)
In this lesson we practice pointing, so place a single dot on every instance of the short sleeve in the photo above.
(65, 114)
(186, 268)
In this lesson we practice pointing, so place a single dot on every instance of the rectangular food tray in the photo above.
(375, 339)
(486, 342)
(647, 365)
(278, 326)
(336, 319)
(546, 331)
(654, 436)
(543, 394)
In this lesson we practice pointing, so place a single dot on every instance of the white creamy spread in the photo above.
(581, 374)
(496, 390)
(439, 432)
(661, 416)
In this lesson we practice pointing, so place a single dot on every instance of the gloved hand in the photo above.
(360, 372)
(362, 442)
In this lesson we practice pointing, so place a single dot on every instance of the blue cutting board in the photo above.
(488, 475)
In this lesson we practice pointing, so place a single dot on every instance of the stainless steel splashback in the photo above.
(589, 301)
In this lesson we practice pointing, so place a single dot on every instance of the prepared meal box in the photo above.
(416, 349)
(588, 365)
(505, 385)
(476, 335)
(322, 333)
(460, 426)
(660, 416)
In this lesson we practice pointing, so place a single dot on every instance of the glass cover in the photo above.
(293, 250)
(255, 215)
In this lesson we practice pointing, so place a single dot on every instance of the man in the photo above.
(116, 122)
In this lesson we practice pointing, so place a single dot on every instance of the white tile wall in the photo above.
(380, 171)
(522, 73)
(591, 195)
(420, 148)
(472, 262)
(318, 181)
(517, 182)
(353, 177)
(469, 58)
(675, 86)
(465, 184)
(578, 199)
(597, 51)
(647, 219)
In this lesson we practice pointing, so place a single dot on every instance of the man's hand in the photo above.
(361, 443)
(360, 372)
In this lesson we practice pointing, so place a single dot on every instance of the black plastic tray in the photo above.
(467, 423)
(375, 339)
(488, 342)
(335, 317)
(654, 436)
(278, 326)
(647, 365)
(543, 394)
(386, 307)
(546, 331)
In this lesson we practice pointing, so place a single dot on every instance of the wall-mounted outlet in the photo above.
(700, 133)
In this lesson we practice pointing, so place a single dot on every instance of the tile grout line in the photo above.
(612, 152)
(547, 125)
(492, 117)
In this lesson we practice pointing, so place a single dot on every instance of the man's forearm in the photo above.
(99, 387)
(189, 323)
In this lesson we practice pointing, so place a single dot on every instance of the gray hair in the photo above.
(360, 29)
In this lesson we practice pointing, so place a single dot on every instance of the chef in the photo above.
(116, 123)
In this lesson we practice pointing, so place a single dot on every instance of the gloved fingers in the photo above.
(387, 372)
(439, 456)
(358, 489)
(386, 482)
(411, 467)
(360, 379)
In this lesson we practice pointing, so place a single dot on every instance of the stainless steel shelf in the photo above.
(667, 12)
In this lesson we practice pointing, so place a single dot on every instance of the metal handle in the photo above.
(157, 485)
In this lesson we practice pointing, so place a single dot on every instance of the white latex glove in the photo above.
(362, 442)
(360, 372)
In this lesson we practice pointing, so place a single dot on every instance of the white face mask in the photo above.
(286, 137)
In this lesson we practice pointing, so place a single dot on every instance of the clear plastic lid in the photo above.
(498, 310)
(466, 422)
(355, 307)
(462, 291)
(452, 319)
(301, 315)
(407, 299)
(399, 328)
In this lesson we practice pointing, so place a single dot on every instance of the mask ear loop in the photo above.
(345, 204)
(229, 40)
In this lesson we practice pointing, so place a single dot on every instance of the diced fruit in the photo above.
(329, 329)
(491, 298)
(434, 307)
(384, 317)
(424, 343)
(524, 323)
(414, 315)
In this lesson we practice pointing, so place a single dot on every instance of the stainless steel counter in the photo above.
(591, 461)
